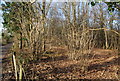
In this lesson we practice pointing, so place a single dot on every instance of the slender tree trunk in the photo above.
(106, 39)
(43, 24)
(21, 42)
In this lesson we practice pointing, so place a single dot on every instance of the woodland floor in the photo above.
(103, 65)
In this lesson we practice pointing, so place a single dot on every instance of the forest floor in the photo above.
(103, 65)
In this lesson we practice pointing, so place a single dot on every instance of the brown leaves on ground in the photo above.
(102, 64)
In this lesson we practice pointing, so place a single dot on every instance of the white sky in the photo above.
(1, 20)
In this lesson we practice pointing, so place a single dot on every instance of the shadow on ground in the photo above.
(104, 65)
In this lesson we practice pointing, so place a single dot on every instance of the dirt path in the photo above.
(3, 51)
